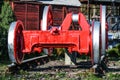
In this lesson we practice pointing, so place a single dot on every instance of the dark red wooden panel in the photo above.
(28, 14)
(32, 17)
(58, 14)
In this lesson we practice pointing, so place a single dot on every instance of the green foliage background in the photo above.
(6, 17)
(114, 52)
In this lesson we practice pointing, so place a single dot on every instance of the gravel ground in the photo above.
(49, 72)
(73, 74)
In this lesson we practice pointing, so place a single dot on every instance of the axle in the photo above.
(73, 40)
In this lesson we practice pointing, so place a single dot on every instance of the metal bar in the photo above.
(29, 63)
(88, 10)
(103, 29)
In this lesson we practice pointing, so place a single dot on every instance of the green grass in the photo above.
(114, 52)
(112, 76)
(59, 76)
(3, 65)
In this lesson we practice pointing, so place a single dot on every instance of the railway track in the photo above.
(42, 66)
(84, 66)
(29, 63)
(39, 64)
(34, 64)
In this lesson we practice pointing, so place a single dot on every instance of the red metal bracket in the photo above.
(74, 40)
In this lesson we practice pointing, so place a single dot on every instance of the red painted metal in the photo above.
(82, 22)
(34, 39)
(18, 42)
(74, 40)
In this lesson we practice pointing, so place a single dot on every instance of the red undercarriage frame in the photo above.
(74, 40)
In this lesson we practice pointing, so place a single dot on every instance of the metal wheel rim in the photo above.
(96, 42)
(13, 50)
(45, 18)
(103, 29)
(11, 42)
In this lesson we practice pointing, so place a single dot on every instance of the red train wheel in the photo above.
(46, 18)
(15, 42)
